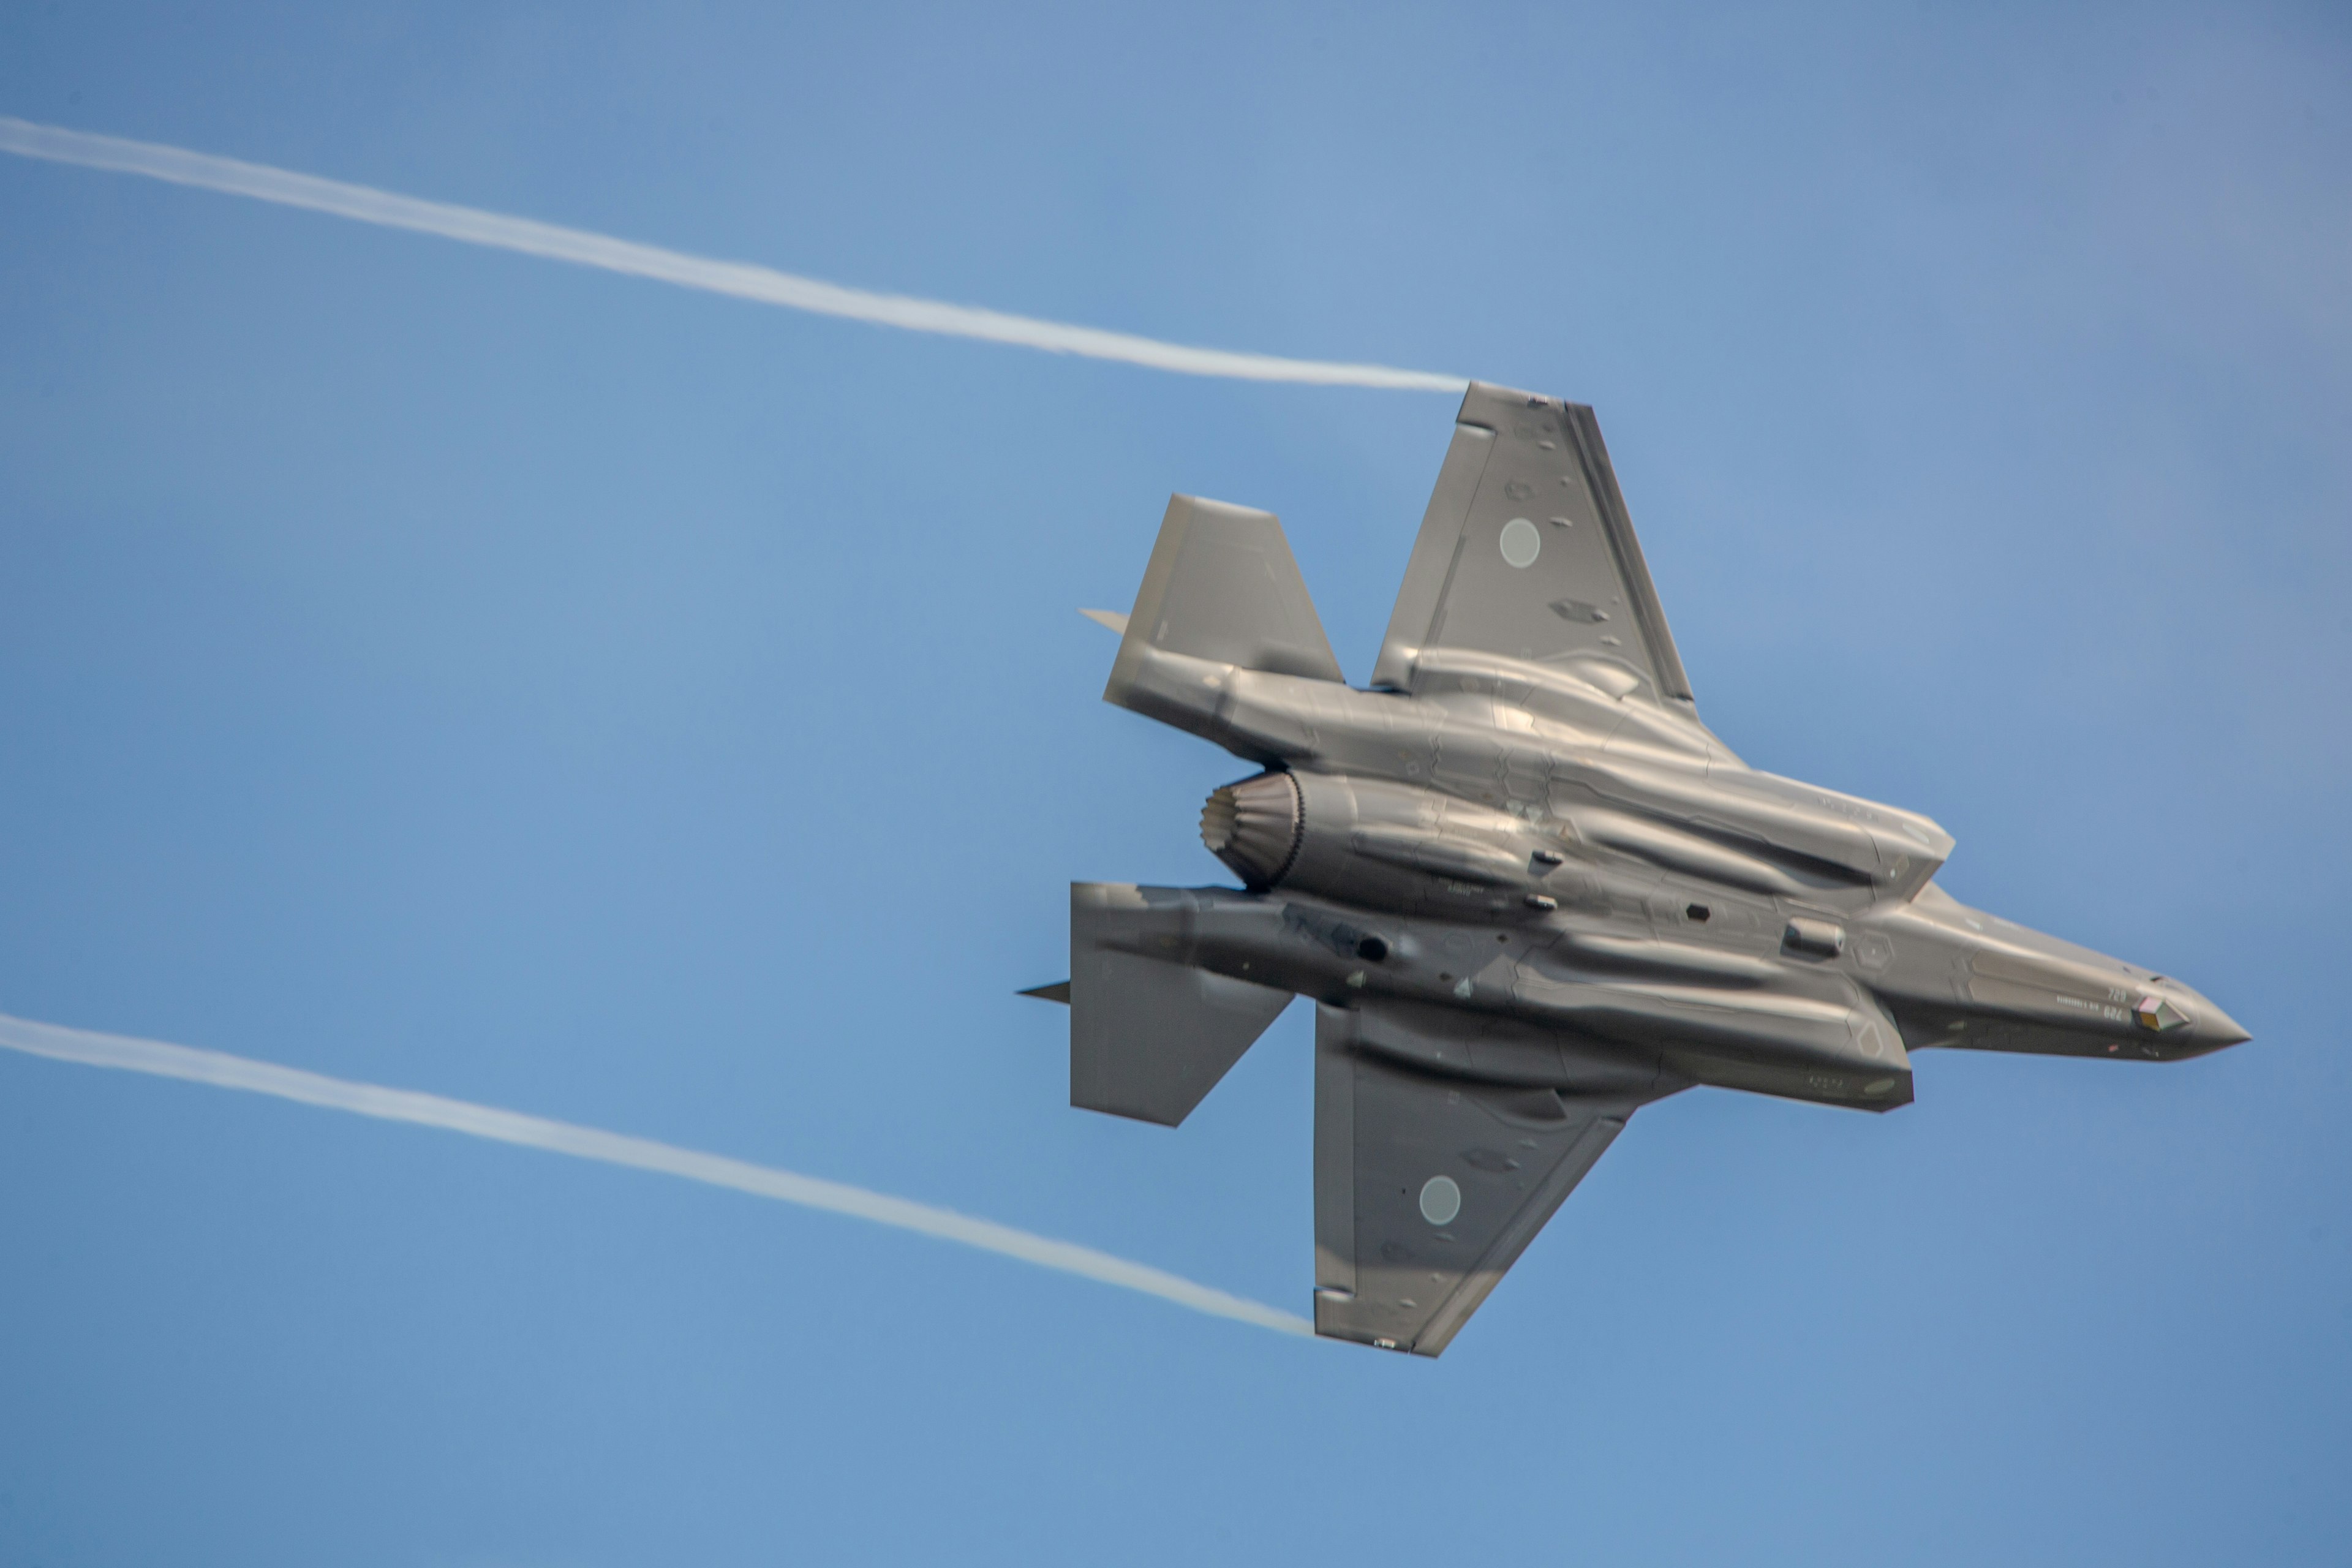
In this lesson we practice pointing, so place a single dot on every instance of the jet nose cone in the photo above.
(2183, 1023)
(2210, 1028)
(2218, 1029)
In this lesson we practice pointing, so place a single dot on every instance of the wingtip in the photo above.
(1111, 618)
(1059, 991)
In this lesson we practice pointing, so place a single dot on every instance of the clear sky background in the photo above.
(460, 671)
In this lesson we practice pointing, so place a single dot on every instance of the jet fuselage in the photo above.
(1610, 889)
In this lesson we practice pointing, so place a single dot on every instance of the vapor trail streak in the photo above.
(262, 183)
(223, 1071)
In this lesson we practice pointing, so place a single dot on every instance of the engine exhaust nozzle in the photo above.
(1256, 827)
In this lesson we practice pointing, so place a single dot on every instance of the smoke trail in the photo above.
(262, 183)
(223, 1071)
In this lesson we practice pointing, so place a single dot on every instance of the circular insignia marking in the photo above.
(1521, 543)
(1441, 1200)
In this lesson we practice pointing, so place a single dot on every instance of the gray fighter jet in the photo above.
(1527, 890)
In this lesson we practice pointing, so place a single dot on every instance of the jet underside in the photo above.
(1526, 888)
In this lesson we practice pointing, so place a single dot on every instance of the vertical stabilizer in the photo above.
(1222, 586)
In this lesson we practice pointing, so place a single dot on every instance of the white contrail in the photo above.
(223, 1071)
(262, 183)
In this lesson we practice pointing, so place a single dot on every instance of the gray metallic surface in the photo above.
(1526, 888)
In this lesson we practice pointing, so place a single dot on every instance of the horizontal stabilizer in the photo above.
(1059, 991)
(1149, 1038)
(1224, 586)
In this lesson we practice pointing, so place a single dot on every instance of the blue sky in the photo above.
(455, 670)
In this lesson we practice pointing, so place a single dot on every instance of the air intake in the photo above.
(1255, 826)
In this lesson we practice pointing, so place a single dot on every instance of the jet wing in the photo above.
(1527, 551)
(1427, 1188)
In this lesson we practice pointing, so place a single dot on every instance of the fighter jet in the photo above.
(1527, 890)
